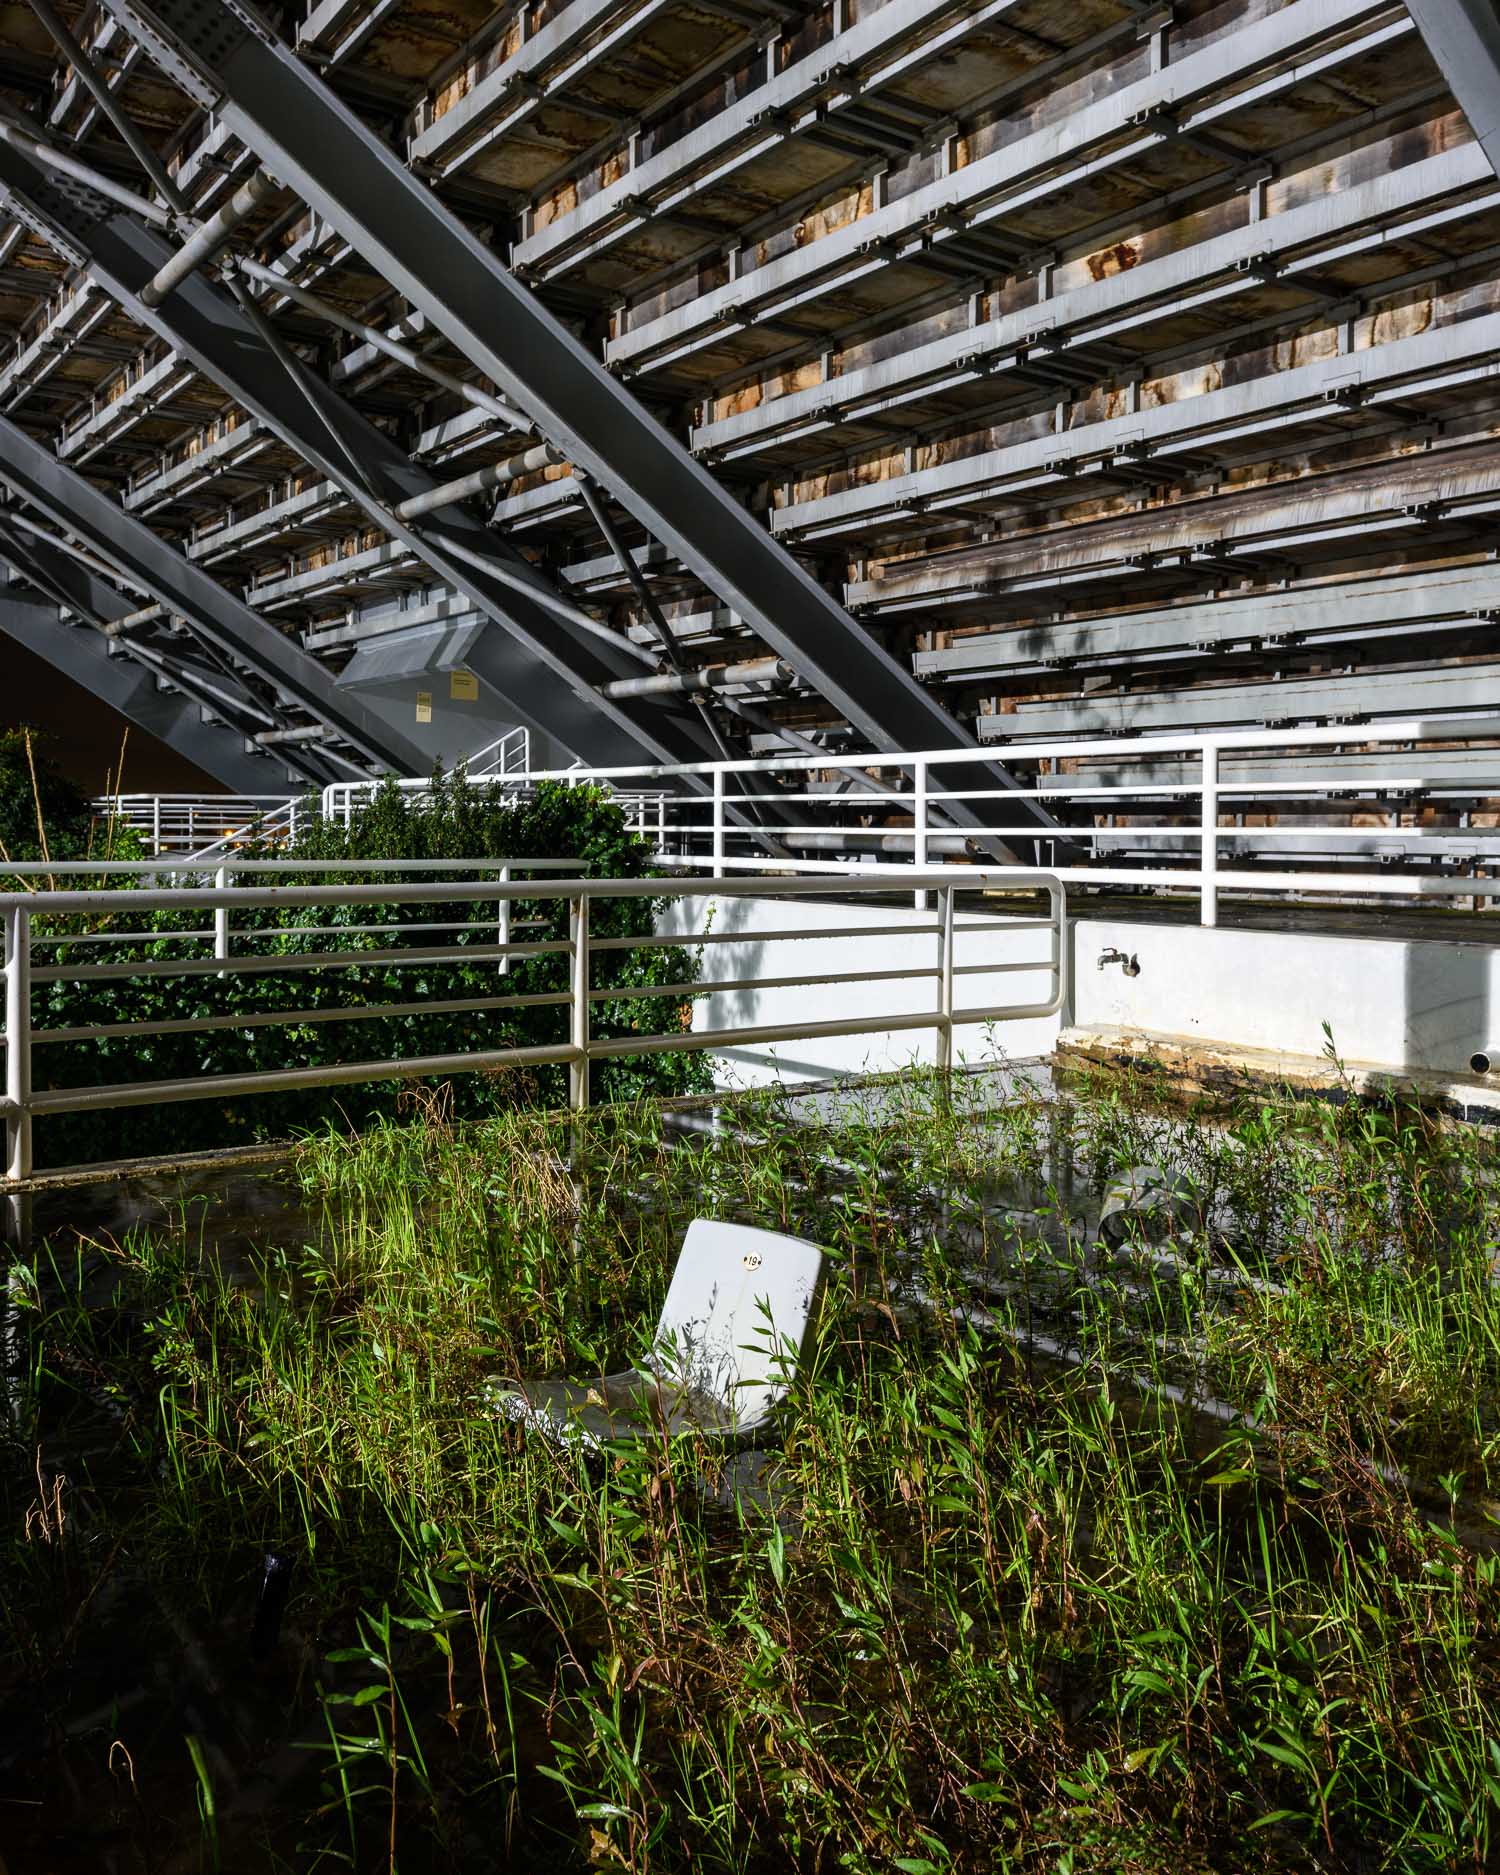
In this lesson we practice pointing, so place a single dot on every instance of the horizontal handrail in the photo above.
(21, 912)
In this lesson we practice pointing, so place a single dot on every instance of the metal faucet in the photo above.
(1127, 960)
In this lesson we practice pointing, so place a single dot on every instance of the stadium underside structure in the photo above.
(685, 379)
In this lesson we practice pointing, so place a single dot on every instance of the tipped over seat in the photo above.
(732, 1331)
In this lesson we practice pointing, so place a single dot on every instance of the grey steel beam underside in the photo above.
(545, 675)
(1124, 124)
(1346, 696)
(1365, 383)
(1463, 37)
(86, 594)
(82, 654)
(217, 617)
(806, 97)
(1417, 201)
(228, 59)
(1251, 780)
(1462, 596)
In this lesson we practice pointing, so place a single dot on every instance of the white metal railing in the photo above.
(645, 809)
(231, 946)
(716, 813)
(202, 823)
(509, 754)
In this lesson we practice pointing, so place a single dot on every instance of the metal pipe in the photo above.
(304, 732)
(708, 677)
(98, 89)
(393, 348)
(209, 237)
(64, 165)
(96, 563)
(544, 596)
(145, 616)
(543, 456)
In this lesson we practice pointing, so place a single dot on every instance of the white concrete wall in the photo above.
(1392, 1002)
(891, 939)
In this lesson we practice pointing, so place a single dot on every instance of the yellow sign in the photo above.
(424, 706)
(463, 686)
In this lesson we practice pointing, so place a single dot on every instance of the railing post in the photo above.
(945, 979)
(221, 918)
(502, 935)
(18, 1042)
(919, 829)
(578, 940)
(155, 825)
(1209, 825)
(718, 866)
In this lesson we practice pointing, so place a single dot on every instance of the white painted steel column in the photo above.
(919, 829)
(503, 930)
(718, 865)
(1209, 825)
(155, 825)
(221, 918)
(578, 939)
(945, 979)
(18, 1042)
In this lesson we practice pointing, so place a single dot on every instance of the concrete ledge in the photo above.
(1194, 1070)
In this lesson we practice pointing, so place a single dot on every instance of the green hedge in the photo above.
(458, 820)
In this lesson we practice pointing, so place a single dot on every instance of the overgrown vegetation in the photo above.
(45, 815)
(1149, 1550)
(215, 1024)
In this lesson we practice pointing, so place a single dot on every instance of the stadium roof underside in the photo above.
(946, 371)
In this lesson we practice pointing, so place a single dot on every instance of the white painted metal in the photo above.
(24, 912)
(698, 826)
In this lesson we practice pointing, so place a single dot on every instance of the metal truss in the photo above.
(83, 655)
(1361, 384)
(548, 677)
(216, 617)
(1127, 123)
(229, 60)
(1336, 696)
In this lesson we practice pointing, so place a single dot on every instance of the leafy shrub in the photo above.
(209, 1023)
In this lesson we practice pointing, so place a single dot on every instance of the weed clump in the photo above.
(1167, 1549)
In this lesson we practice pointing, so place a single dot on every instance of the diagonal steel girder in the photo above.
(225, 56)
(1463, 37)
(82, 655)
(220, 619)
(82, 591)
(549, 677)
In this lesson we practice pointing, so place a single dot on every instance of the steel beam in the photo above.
(306, 137)
(1460, 596)
(545, 674)
(1445, 359)
(82, 654)
(216, 615)
(1327, 231)
(1345, 696)
(85, 589)
(807, 96)
(1463, 37)
(1126, 123)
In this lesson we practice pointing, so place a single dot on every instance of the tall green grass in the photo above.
(1157, 1555)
